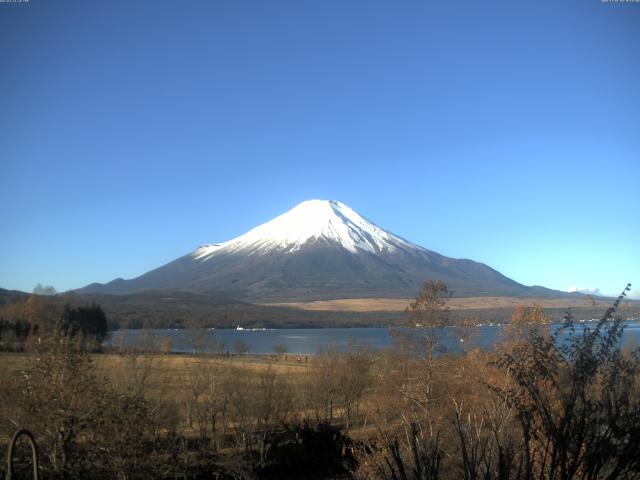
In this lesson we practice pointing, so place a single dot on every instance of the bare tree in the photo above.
(280, 349)
(422, 339)
(241, 347)
(59, 402)
(353, 377)
(40, 289)
(321, 384)
(272, 406)
(205, 398)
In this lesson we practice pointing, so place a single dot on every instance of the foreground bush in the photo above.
(567, 407)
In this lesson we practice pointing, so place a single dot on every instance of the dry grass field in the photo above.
(162, 369)
(165, 375)
(399, 304)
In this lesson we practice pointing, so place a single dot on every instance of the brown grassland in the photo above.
(537, 407)
(454, 303)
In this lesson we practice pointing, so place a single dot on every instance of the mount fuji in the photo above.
(318, 250)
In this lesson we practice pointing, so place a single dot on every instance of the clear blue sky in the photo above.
(506, 132)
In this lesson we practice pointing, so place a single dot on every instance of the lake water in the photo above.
(305, 341)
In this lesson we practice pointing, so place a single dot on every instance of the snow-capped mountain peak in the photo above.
(318, 250)
(311, 220)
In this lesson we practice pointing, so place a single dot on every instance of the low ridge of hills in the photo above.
(167, 309)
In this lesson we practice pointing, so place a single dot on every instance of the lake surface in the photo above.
(306, 341)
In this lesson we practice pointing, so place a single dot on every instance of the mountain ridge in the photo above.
(319, 250)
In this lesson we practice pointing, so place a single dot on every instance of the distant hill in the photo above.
(175, 309)
(7, 296)
(319, 250)
(166, 309)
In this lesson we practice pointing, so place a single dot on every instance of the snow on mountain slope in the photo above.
(318, 250)
(310, 220)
